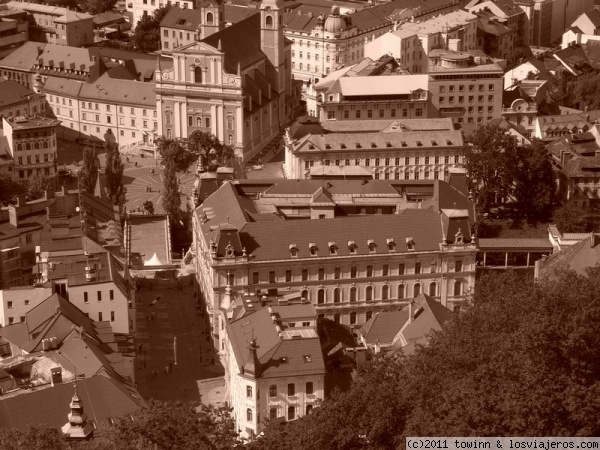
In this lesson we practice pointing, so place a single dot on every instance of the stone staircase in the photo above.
(268, 151)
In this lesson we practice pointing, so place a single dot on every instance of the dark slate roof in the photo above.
(533, 244)
(429, 315)
(12, 93)
(269, 241)
(577, 257)
(278, 357)
(182, 19)
(102, 398)
(384, 326)
(54, 317)
(240, 43)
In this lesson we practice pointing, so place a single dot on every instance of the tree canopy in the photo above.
(523, 361)
(37, 186)
(96, 6)
(534, 185)
(114, 174)
(199, 145)
(586, 92)
(571, 218)
(9, 188)
(89, 172)
(487, 159)
(171, 199)
(163, 425)
(146, 35)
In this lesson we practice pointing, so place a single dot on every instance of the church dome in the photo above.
(335, 23)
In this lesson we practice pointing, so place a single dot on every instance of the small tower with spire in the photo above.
(77, 428)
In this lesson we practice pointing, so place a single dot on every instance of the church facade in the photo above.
(234, 83)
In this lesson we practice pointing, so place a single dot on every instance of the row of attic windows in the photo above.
(352, 247)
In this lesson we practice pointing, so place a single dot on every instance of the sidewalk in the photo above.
(158, 374)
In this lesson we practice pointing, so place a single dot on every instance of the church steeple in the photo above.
(77, 427)
(212, 17)
(272, 41)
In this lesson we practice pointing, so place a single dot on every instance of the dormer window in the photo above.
(229, 251)
(358, 145)
(434, 143)
(448, 142)
(332, 248)
(459, 237)
(342, 145)
(293, 250)
(373, 145)
(311, 147)
(352, 247)
(391, 245)
(312, 247)
(419, 144)
(371, 245)
(410, 244)
(328, 147)
(404, 144)
(388, 144)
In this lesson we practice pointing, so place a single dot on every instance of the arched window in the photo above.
(197, 74)
(400, 291)
(336, 296)
(230, 139)
(36, 145)
(199, 122)
(305, 295)
(321, 296)
(457, 288)
(308, 409)
(291, 412)
(169, 134)
(369, 293)
(249, 415)
(416, 289)
(384, 292)
(353, 294)
(432, 289)
(209, 18)
(269, 21)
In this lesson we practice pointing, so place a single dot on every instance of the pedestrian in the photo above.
(152, 172)
(166, 370)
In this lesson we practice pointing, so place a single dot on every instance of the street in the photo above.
(165, 371)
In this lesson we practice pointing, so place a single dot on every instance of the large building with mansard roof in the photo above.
(234, 83)
(379, 243)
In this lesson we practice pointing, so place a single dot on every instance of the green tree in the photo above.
(176, 426)
(176, 151)
(9, 188)
(89, 172)
(171, 199)
(146, 36)
(37, 186)
(114, 174)
(212, 153)
(96, 6)
(148, 206)
(570, 218)
(586, 92)
(39, 437)
(534, 184)
(489, 156)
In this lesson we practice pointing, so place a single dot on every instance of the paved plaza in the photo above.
(147, 183)
(165, 371)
